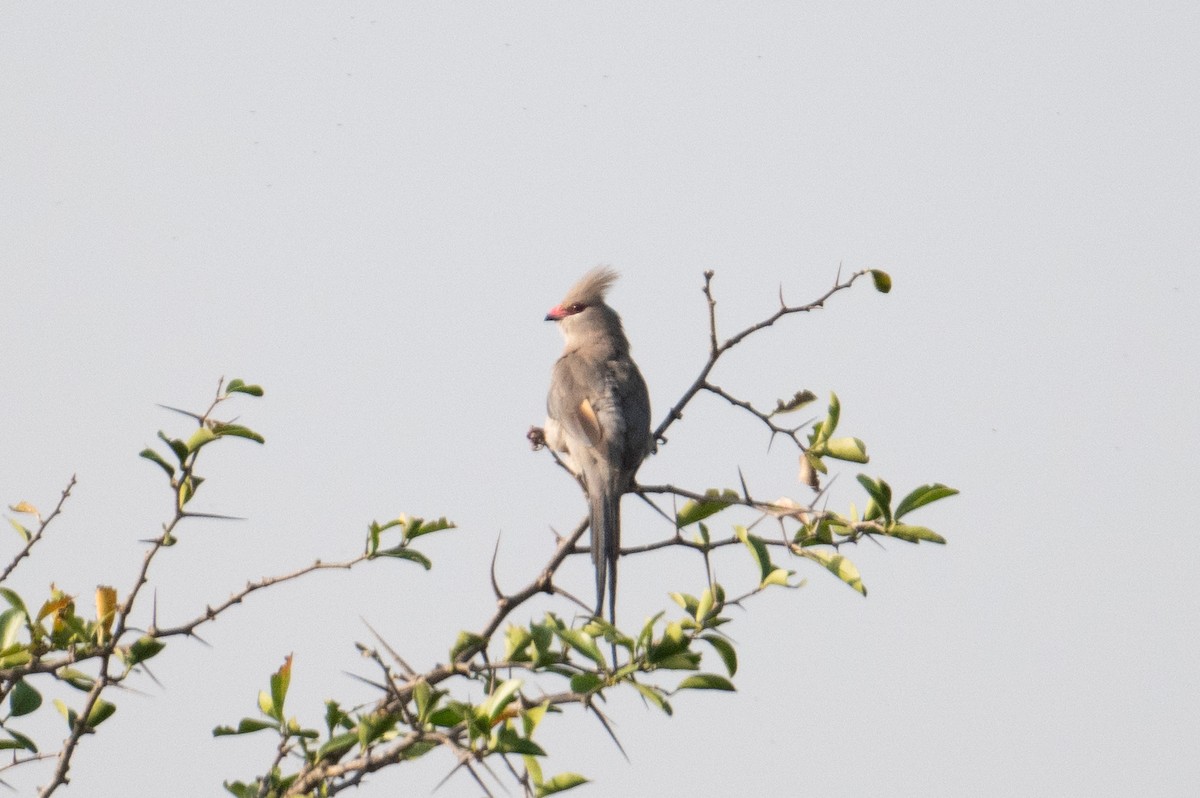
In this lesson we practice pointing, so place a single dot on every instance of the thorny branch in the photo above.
(110, 673)
(331, 776)
(716, 350)
(36, 536)
(327, 774)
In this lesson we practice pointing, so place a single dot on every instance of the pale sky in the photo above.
(368, 209)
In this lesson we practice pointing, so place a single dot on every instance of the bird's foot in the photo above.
(537, 437)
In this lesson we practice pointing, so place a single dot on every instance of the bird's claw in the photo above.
(537, 437)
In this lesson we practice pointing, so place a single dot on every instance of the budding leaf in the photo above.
(799, 400)
(238, 386)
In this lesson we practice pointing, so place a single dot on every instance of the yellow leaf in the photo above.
(106, 610)
(25, 507)
(59, 605)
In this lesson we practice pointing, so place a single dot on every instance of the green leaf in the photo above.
(517, 640)
(199, 438)
(237, 386)
(402, 553)
(14, 599)
(21, 741)
(240, 790)
(23, 699)
(419, 526)
(15, 657)
(146, 647)
(883, 281)
(178, 447)
(11, 621)
(706, 681)
(450, 715)
(672, 642)
(850, 449)
(507, 741)
(500, 698)
(922, 496)
(647, 633)
(799, 400)
(778, 576)
(838, 565)
(237, 431)
(880, 493)
(155, 457)
(101, 711)
(683, 661)
(832, 416)
(586, 682)
(294, 728)
(654, 695)
(21, 530)
(704, 606)
(280, 681)
(758, 549)
(374, 726)
(423, 696)
(336, 747)
(245, 726)
(336, 717)
(714, 502)
(913, 534)
(583, 643)
(265, 706)
(560, 783)
(687, 601)
(465, 641)
(77, 679)
(724, 649)
(66, 712)
(531, 717)
(534, 770)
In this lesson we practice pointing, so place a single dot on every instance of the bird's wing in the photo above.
(584, 400)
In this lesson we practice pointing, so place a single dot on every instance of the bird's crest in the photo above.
(591, 288)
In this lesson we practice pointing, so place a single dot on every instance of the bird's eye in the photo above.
(576, 308)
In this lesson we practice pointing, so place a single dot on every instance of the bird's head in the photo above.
(587, 293)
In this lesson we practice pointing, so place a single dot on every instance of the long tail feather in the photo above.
(605, 519)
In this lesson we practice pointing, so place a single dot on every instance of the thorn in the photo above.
(380, 687)
(559, 591)
(495, 585)
(187, 413)
(217, 516)
(657, 509)
(399, 659)
(604, 722)
(742, 479)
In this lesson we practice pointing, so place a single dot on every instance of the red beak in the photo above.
(556, 313)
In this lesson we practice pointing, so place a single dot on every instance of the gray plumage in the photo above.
(599, 416)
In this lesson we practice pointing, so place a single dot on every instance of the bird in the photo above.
(598, 416)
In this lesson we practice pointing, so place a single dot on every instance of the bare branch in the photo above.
(36, 536)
